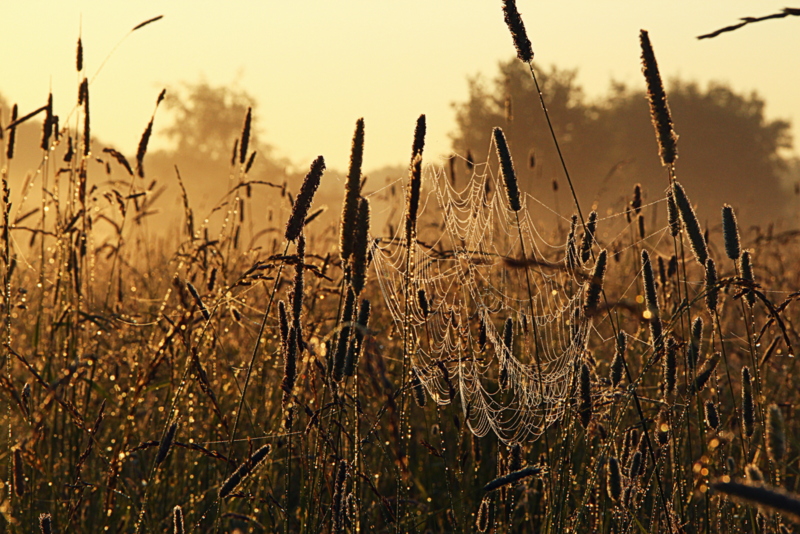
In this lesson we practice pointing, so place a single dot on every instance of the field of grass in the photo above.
(462, 369)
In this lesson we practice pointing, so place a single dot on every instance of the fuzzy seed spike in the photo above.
(730, 232)
(517, 29)
(352, 192)
(303, 201)
(245, 135)
(243, 471)
(360, 239)
(659, 109)
(507, 170)
(691, 224)
(595, 285)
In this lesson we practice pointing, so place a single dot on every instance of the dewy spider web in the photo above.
(468, 262)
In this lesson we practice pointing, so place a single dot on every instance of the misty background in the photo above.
(728, 153)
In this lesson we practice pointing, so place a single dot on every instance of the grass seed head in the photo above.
(730, 232)
(245, 135)
(690, 222)
(588, 237)
(705, 372)
(711, 288)
(614, 479)
(748, 408)
(46, 523)
(166, 443)
(243, 471)
(776, 437)
(177, 520)
(762, 495)
(712, 417)
(659, 109)
(507, 170)
(650, 295)
(517, 29)
(595, 285)
(360, 255)
(351, 193)
(746, 265)
(302, 203)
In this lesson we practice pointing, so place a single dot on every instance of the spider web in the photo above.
(470, 261)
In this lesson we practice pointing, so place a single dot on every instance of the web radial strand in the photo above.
(468, 261)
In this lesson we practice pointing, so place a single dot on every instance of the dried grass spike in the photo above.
(659, 109)
(243, 471)
(696, 239)
(303, 201)
(79, 56)
(636, 466)
(199, 301)
(748, 408)
(614, 479)
(243, 146)
(412, 200)
(84, 99)
(746, 265)
(283, 322)
(650, 295)
(776, 437)
(595, 285)
(762, 495)
(673, 217)
(422, 300)
(507, 170)
(705, 372)
(249, 165)
(47, 123)
(712, 417)
(517, 29)
(46, 523)
(352, 192)
(12, 133)
(19, 472)
(711, 288)
(419, 138)
(730, 232)
(166, 443)
(142, 149)
(418, 389)
(512, 477)
(177, 520)
(361, 247)
(482, 521)
(636, 203)
(588, 237)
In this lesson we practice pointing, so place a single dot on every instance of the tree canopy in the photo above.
(728, 152)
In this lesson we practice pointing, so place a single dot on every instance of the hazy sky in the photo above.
(314, 67)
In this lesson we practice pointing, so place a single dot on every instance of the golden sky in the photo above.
(314, 67)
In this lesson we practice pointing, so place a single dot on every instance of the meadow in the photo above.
(460, 368)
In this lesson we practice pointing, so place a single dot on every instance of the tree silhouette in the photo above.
(728, 152)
